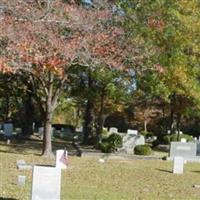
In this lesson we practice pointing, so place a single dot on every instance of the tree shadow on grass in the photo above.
(3, 198)
(196, 171)
(164, 170)
(20, 146)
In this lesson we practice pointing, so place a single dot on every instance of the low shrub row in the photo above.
(172, 138)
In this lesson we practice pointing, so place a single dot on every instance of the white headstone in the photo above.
(101, 160)
(154, 137)
(79, 129)
(41, 132)
(183, 140)
(140, 140)
(195, 138)
(113, 130)
(46, 183)
(61, 159)
(178, 165)
(180, 132)
(8, 129)
(132, 132)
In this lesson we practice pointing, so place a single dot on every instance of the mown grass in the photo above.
(87, 179)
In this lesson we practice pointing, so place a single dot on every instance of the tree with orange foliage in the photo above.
(46, 38)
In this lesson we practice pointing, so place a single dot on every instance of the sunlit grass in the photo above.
(87, 179)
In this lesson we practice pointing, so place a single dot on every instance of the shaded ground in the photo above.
(33, 146)
(87, 179)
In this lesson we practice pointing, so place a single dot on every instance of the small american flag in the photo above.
(64, 158)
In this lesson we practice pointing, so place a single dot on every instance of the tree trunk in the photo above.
(178, 125)
(100, 119)
(50, 106)
(27, 128)
(47, 146)
(88, 122)
(172, 119)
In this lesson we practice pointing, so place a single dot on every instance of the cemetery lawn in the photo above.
(87, 179)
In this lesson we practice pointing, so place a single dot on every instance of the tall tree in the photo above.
(47, 37)
(165, 34)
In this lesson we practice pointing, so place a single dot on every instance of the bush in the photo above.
(111, 143)
(171, 138)
(104, 133)
(146, 134)
(106, 147)
(155, 143)
(115, 140)
(166, 139)
(143, 150)
(174, 137)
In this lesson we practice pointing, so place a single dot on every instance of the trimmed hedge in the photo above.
(171, 138)
(143, 150)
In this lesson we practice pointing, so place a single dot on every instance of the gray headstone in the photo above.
(8, 129)
(198, 148)
(46, 183)
(178, 165)
(186, 150)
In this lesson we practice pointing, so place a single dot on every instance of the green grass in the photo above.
(87, 179)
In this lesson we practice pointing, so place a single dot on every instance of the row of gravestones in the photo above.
(181, 152)
(46, 181)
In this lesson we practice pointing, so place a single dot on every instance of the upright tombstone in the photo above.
(180, 132)
(181, 149)
(140, 140)
(46, 183)
(61, 159)
(79, 129)
(132, 132)
(8, 129)
(113, 130)
(178, 165)
(183, 140)
(41, 132)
